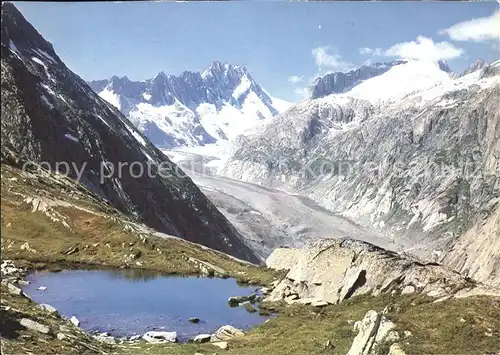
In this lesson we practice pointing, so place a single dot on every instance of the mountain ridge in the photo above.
(211, 104)
(394, 157)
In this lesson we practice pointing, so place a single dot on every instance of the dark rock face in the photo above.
(49, 114)
(478, 64)
(340, 82)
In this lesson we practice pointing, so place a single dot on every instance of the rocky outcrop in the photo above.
(373, 330)
(337, 269)
(476, 253)
(50, 116)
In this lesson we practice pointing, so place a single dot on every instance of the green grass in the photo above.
(455, 326)
(436, 328)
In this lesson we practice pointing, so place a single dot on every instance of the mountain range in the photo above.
(192, 109)
(412, 152)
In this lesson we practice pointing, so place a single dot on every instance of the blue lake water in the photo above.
(128, 302)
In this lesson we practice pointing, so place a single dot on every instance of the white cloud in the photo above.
(295, 79)
(371, 51)
(424, 48)
(325, 58)
(480, 29)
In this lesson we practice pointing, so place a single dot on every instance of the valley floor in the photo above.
(270, 218)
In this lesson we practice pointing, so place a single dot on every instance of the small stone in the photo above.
(395, 349)
(160, 337)
(407, 334)
(61, 336)
(249, 308)
(75, 321)
(235, 301)
(392, 336)
(41, 288)
(202, 338)
(15, 290)
(221, 344)
(32, 325)
(266, 290)
(319, 303)
(194, 320)
(106, 339)
(48, 308)
(72, 250)
(291, 297)
(409, 289)
(437, 293)
(328, 344)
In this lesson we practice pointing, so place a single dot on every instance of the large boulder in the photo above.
(160, 337)
(226, 332)
(332, 270)
(32, 325)
(372, 331)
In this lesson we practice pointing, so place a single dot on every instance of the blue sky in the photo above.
(283, 44)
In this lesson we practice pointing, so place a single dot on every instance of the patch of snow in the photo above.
(103, 120)
(45, 54)
(63, 98)
(242, 88)
(12, 46)
(46, 101)
(71, 137)
(49, 89)
(136, 135)
(401, 81)
(146, 96)
(281, 105)
(111, 97)
(148, 156)
(38, 61)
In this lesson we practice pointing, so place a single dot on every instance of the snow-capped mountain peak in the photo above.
(338, 82)
(193, 108)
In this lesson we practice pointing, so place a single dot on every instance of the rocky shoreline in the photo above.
(14, 276)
